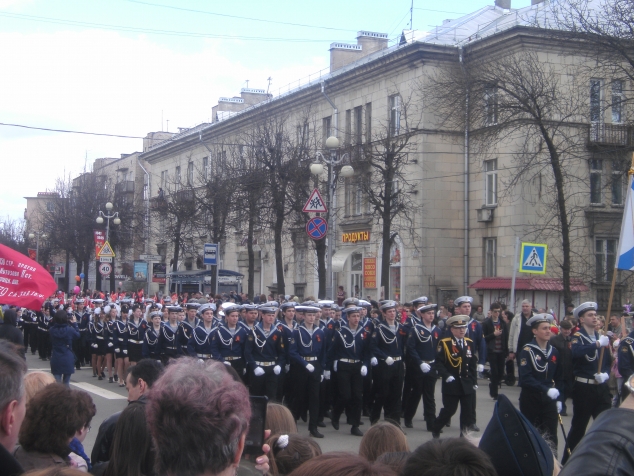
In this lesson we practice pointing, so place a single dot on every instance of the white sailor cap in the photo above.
(267, 309)
(581, 308)
(388, 305)
(420, 300)
(427, 307)
(539, 318)
(351, 301)
(463, 299)
(352, 310)
(308, 309)
(288, 305)
(153, 314)
(207, 307)
(364, 303)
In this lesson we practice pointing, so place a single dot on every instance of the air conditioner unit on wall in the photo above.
(485, 214)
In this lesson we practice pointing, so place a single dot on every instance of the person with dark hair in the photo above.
(12, 405)
(198, 416)
(342, 464)
(137, 326)
(138, 382)
(43, 338)
(448, 457)
(562, 342)
(290, 451)
(395, 460)
(53, 417)
(9, 330)
(151, 348)
(496, 336)
(63, 332)
(131, 453)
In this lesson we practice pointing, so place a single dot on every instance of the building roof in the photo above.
(530, 284)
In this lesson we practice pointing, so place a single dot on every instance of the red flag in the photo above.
(100, 239)
(23, 282)
(32, 254)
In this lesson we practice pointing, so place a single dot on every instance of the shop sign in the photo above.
(369, 273)
(355, 236)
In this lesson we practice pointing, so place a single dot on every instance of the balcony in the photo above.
(158, 203)
(610, 135)
(124, 187)
(181, 196)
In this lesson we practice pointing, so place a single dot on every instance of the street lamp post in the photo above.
(117, 221)
(332, 159)
(37, 235)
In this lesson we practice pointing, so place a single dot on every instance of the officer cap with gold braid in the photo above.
(458, 321)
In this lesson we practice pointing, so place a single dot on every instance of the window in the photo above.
(326, 129)
(491, 182)
(302, 135)
(163, 178)
(354, 196)
(617, 102)
(190, 173)
(300, 265)
(205, 168)
(177, 177)
(395, 114)
(595, 101)
(491, 105)
(358, 125)
(50, 206)
(596, 179)
(619, 182)
(348, 136)
(605, 253)
(368, 122)
(490, 257)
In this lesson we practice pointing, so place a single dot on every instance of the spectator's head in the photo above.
(508, 315)
(12, 395)
(53, 417)
(60, 317)
(448, 457)
(56, 471)
(342, 464)
(289, 452)
(141, 377)
(279, 419)
(614, 321)
(131, 444)
(383, 437)
(36, 381)
(565, 327)
(10, 317)
(395, 460)
(198, 418)
(527, 307)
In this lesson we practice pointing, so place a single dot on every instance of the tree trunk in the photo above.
(67, 279)
(279, 264)
(97, 276)
(177, 244)
(251, 272)
(386, 225)
(320, 247)
(112, 277)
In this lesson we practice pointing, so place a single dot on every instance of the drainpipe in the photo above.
(336, 111)
(466, 183)
(147, 219)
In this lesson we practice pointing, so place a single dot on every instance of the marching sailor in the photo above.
(151, 348)
(167, 338)
(227, 343)
(200, 342)
(188, 325)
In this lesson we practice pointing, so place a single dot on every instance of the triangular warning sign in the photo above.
(532, 260)
(106, 251)
(315, 203)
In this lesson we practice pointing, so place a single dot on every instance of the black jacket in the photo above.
(488, 329)
(9, 466)
(103, 442)
(565, 355)
(607, 449)
(9, 330)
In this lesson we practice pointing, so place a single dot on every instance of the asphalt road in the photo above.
(110, 398)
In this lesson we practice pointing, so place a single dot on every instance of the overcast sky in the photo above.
(127, 67)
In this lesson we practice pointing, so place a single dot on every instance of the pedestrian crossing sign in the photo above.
(533, 258)
(106, 251)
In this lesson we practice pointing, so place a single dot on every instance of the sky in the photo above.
(129, 67)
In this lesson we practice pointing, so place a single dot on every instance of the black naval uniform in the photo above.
(200, 343)
(539, 371)
(422, 343)
(43, 338)
(83, 344)
(388, 379)
(151, 348)
(265, 351)
(308, 348)
(136, 334)
(626, 361)
(457, 361)
(286, 386)
(184, 333)
(29, 319)
(168, 343)
(589, 399)
(227, 346)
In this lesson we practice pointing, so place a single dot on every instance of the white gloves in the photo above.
(374, 362)
(334, 366)
(327, 374)
(287, 367)
(475, 387)
(110, 344)
(228, 364)
(364, 371)
(425, 367)
(125, 351)
(389, 361)
(95, 346)
(310, 368)
(559, 407)
(201, 361)
(603, 341)
(244, 371)
(322, 378)
(117, 350)
(450, 379)
(480, 368)
(258, 371)
(601, 377)
(553, 393)
(277, 369)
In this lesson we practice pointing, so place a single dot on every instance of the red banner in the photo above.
(23, 282)
(100, 239)
(32, 254)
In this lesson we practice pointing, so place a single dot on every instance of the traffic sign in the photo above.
(317, 228)
(315, 203)
(150, 257)
(105, 259)
(106, 251)
(533, 258)
(210, 254)
(105, 268)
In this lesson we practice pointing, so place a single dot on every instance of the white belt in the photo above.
(264, 364)
(204, 356)
(349, 361)
(396, 359)
(131, 341)
(310, 359)
(231, 359)
(591, 381)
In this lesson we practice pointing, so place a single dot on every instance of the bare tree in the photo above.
(13, 234)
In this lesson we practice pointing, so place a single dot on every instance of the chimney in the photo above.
(535, 2)
(506, 4)
(342, 54)
(371, 41)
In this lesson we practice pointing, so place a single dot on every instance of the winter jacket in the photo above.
(62, 357)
